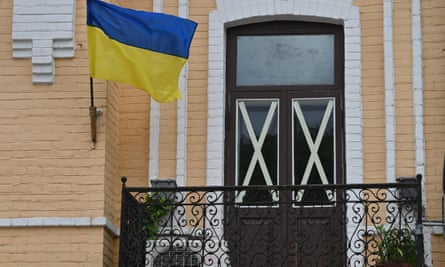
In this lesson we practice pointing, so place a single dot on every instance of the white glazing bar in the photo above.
(389, 91)
(181, 144)
(153, 161)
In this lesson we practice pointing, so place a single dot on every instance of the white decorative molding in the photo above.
(234, 12)
(155, 123)
(60, 222)
(390, 113)
(418, 86)
(419, 136)
(181, 144)
(43, 31)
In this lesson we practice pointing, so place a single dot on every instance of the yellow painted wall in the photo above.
(373, 90)
(433, 30)
(49, 169)
(47, 165)
(197, 99)
(64, 247)
(405, 147)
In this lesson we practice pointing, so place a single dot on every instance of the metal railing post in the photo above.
(123, 230)
(419, 226)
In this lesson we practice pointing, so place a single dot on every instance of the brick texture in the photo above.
(65, 247)
(46, 162)
(373, 90)
(48, 167)
(405, 146)
(433, 25)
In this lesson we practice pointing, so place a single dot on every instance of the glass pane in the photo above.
(313, 136)
(257, 146)
(285, 60)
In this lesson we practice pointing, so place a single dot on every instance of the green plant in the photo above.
(156, 207)
(396, 246)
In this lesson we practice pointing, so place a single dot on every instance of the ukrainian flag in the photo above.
(144, 49)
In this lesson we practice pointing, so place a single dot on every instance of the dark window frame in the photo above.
(284, 92)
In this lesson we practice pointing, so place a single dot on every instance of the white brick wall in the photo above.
(43, 30)
(234, 12)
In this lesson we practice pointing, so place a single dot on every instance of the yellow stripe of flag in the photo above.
(146, 50)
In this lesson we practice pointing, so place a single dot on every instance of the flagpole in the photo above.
(93, 113)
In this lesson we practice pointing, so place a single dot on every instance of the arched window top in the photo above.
(286, 53)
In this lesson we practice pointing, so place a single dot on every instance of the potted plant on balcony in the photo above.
(397, 248)
(156, 208)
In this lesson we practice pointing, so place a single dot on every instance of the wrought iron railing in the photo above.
(316, 225)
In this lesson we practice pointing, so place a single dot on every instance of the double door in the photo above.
(285, 139)
(285, 144)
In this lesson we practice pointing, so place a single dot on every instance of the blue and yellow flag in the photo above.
(147, 50)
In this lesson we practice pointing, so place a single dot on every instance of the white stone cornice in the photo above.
(60, 222)
(42, 31)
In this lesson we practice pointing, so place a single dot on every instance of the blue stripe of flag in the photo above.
(157, 32)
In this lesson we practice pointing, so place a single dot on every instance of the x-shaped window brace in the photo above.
(257, 146)
(313, 146)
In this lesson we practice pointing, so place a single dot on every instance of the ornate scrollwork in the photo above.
(208, 226)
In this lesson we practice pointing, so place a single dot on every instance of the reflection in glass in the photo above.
(285, 60)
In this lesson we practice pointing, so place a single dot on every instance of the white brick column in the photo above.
(390, 113)
(43, 30)
(181, 147)
(155, 123)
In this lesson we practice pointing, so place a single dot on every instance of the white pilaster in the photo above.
(155, 123)
(181, 144)
(419, 137)
(390, 123)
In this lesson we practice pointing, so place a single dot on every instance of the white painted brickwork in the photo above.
(181, 147)
(155, 123)
(235, 12)
(390, 113)
(60, 222)
(43, 30)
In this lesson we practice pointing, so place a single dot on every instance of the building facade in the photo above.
(60, 192)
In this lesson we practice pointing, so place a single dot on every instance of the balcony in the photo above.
(316, 225)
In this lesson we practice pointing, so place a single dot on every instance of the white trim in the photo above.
(60, 222)
(417, 73)
(155, 124)
(181, 144)
(418, 86)
(158, 5)
(390, 122)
